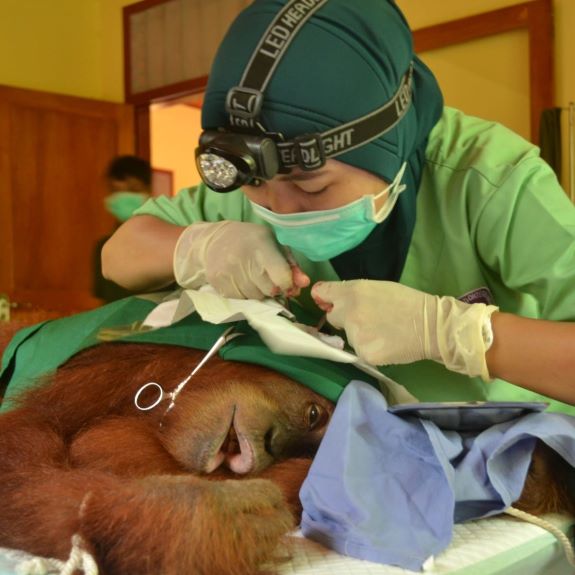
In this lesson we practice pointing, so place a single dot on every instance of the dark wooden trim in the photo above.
(6, 200)
(142, 125)
(536, 17)
(471, 28)
(127, 56)
(58, 102)
(143, 5)
(170, 92)
(541, 62)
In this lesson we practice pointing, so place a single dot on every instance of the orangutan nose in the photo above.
(231, 445)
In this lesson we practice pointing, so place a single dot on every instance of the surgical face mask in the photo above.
(123, 203)
(323, 234)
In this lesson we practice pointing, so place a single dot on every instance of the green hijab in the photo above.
(346, 61)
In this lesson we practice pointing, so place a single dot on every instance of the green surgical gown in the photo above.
(492, 220)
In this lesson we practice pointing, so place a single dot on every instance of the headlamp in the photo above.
(227, 161)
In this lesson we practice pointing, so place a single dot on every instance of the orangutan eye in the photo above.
(315, 416)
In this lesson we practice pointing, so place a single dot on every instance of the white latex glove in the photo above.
(240, 260)
(389, 323)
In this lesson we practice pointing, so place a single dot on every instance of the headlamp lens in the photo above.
(217, 171)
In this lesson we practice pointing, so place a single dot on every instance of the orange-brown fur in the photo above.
(547, 487)
(76, 456)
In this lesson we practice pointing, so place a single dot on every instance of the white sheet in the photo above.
(270, 319)
(493, 546)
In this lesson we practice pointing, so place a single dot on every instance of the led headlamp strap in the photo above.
(244, 102)
(310, 151)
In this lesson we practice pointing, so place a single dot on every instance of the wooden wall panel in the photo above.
(53, 153)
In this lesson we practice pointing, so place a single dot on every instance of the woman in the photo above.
(425, 234)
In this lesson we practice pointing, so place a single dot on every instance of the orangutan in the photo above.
(77, 457)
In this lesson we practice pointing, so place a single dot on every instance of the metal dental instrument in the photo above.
(219, 343)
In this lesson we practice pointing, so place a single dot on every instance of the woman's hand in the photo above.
(389, 323)
(240, 260)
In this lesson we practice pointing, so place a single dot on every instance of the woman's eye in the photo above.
(309, 189)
